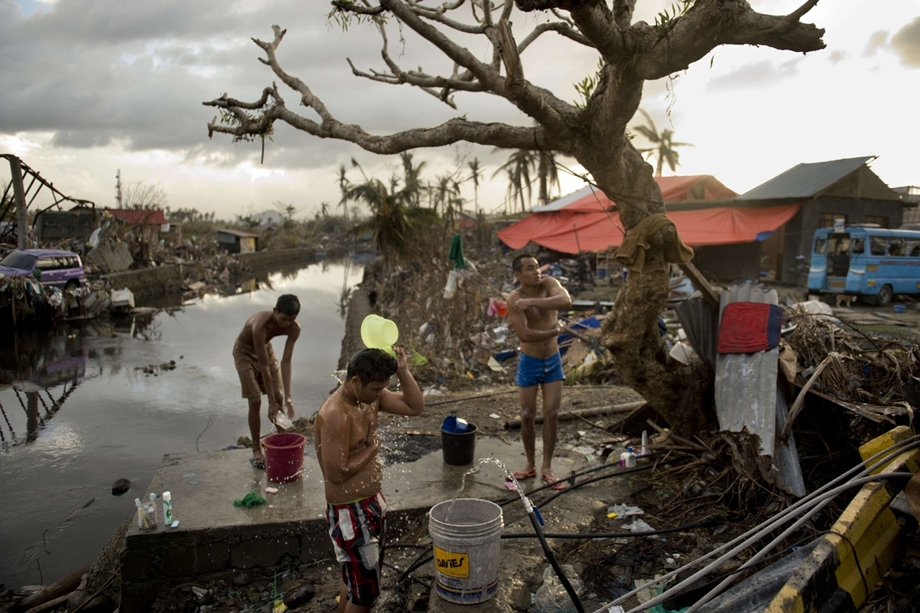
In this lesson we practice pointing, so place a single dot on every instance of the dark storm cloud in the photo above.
(137, 72)
(906, 42)
(95, 72)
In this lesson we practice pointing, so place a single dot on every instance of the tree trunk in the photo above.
(682, 394)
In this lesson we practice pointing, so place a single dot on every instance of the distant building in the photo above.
(78, 222)
(145, 224)
(237, 241)
(269, 219)
(845, 189)
(910, 196)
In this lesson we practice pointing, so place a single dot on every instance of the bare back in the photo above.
(263, 322)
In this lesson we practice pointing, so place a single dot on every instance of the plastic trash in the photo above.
(283, 421)
(552, 596)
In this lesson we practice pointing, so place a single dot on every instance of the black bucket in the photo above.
(459, 447)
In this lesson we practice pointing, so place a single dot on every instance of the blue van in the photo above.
(871, 262)
(51, 267)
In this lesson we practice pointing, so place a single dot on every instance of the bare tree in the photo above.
(592, 131)
(143, 195)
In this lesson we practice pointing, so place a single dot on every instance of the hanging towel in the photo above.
(455, 254)
(631, 253)
(748, 327)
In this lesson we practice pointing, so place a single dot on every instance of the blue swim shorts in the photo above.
(534, 371)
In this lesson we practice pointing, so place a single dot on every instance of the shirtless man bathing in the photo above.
(345, 436)
(532, 309)
(259, 370)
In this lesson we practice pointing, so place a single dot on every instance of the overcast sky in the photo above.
(91, 87)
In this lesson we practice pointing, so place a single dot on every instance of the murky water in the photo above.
(79, 411)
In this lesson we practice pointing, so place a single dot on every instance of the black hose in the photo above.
(615, 535)
(575, 485)
(552, 560)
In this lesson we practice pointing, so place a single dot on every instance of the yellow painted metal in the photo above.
(882, 442)
(867, 525)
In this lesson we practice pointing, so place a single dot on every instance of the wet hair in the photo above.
(288, 304)
(371, 365)
(516, 262)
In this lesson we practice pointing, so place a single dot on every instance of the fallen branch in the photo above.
(50, 604)
(677, 438)
(62, 586)
(568, 415)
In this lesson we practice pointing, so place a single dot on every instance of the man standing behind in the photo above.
(345, 436)
(259, 370)
(534, 318)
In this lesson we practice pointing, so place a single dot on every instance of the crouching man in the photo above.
(345, 436)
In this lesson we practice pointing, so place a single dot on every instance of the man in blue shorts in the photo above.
(345, 436)
(533, 310)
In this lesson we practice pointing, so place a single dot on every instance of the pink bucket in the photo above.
(284, 456)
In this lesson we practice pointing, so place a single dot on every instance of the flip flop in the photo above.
(552, 483)
(520, 475)
(257, 463)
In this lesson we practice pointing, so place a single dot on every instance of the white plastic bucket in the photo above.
(466, 534)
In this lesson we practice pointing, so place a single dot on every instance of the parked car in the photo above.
(51, 267)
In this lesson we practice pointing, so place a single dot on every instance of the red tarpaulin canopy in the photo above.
(582, 221)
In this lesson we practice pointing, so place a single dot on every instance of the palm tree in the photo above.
(412, 178)
(547, 175)
(343, 188)
(393, 217)
(475, 176)
(518, 168)
(447, 195)
(663, 147)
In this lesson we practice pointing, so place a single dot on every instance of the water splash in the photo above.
(475, 469)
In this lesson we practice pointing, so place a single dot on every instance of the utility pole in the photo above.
(22, 218)
(118, 187)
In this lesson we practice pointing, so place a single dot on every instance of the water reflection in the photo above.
(79, 411)
(42, 371)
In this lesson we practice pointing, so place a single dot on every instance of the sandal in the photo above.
(257, 463)
(521, 475)
(554, 484)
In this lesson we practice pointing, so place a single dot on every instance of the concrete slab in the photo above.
(215, 536)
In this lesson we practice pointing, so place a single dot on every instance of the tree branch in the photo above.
(561, 28)
(538, 103)
(665, 50)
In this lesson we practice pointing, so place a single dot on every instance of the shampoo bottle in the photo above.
(630, 459)
(167, 508)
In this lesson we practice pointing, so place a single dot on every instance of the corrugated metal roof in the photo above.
(239, 233)
(805, 180)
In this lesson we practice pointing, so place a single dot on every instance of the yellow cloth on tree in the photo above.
(631, 253)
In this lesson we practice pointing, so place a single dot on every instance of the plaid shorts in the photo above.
(357, 530)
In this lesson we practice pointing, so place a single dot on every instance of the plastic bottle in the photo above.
(630, 459)
(167, 508)
(552, 597)
(146, 514)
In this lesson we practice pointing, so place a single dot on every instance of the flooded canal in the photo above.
(83, 408)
